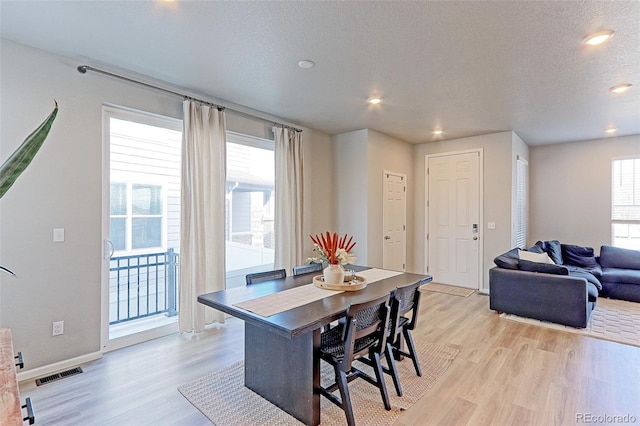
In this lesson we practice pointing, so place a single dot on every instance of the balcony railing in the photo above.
(143, 285)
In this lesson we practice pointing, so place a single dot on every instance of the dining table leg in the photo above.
(285, 371)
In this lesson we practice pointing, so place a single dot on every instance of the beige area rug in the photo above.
(449, 289)
(614, 320)
(223, 399)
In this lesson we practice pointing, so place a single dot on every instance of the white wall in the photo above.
(497, 169)
(350, 189)
(62, 188)
(571, 189)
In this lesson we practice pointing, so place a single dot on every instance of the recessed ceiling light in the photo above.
(611, 130)
(374, 101)
(619, 88)
(437, 132)
(305, 63)
(598, 37)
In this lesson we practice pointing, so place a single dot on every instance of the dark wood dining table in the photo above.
(281, 362)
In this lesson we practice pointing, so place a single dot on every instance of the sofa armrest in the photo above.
(561, 299)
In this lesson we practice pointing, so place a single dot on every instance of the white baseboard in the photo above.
(49, 369)
(484, 291)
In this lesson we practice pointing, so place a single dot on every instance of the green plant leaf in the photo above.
(8, 271)
(21, 157)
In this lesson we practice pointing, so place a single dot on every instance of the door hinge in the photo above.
(427, 237)
(427, 269)
(404, 266)
(404, 189)
(404, 227)
(427, 203)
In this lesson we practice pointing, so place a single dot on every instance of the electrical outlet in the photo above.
(58, 328)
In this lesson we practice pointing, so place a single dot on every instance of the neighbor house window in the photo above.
(136, 216)
(625, 203)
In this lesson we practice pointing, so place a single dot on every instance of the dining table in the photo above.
(283, 320)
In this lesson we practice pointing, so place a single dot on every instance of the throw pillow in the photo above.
(545, 268)
(583, 257)
(553, 249)
(535, 257)
(508, 260)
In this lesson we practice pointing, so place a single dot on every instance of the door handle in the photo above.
(109, 249)
(386, 237)
(475, 238)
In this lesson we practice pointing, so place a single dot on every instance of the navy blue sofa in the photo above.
(566, 292)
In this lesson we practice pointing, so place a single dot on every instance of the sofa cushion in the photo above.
(621, 276)
(545, 268)
(576, 271)
(579, 256)
(535, 249)
(553, 248)
(616, 257)
(508, 260)
(534, 257)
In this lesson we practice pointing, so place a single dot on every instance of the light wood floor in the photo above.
(506, 373)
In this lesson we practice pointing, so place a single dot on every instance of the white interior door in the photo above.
(454, 219)
(395, 222)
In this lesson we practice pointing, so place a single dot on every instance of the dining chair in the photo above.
(259, 277)
(364, 333)
(305, 269)
(405, 300)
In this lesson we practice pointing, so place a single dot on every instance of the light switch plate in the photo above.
(58, 235)
(491, 225)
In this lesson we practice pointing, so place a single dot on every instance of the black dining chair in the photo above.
(405, 300)
(305, 269)
(364, 333)
(259, 277)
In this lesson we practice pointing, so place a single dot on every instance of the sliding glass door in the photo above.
(141, 226)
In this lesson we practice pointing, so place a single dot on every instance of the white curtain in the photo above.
(288, 211)
(202, 242)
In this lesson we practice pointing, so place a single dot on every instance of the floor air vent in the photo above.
(58, 376)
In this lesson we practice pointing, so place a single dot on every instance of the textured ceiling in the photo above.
(469, 68)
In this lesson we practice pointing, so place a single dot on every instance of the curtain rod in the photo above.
(82, 69)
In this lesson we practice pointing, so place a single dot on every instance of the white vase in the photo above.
(333, 274)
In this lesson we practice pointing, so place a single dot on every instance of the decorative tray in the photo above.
(357, 283)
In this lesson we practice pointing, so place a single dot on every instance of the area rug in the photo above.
(449, 289)
(223, 399)
(614, 320)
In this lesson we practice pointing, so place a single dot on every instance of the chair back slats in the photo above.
(406, 299)
(259, 277)
(305, 269)
(368, 319)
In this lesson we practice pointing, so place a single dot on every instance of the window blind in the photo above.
(521, 219)
(625, 189)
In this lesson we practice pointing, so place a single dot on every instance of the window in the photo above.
(521, 218)
(625, 203)
(250, 195)
(136, 216)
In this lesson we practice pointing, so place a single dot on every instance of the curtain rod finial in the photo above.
(82, 69)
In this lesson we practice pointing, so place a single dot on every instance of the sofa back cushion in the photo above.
(508, 260)
(616, 257)
(579, 256)
(545, 268)
(553, 248)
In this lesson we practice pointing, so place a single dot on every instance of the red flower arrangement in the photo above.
(333, 249)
